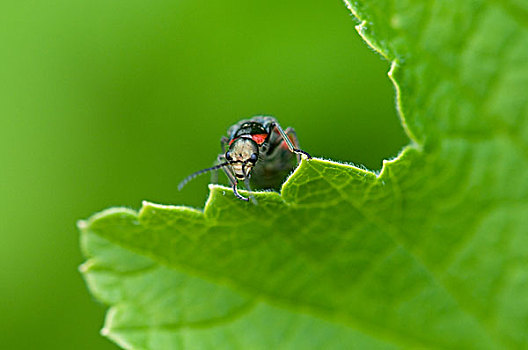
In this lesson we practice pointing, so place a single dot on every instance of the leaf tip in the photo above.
(85, 267)
(82, 225)
(105, 332)
(214, 190)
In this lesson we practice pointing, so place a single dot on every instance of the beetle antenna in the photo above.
(200, 172)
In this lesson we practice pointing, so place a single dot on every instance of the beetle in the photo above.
(256, 148)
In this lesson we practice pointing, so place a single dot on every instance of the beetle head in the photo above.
(242, 155)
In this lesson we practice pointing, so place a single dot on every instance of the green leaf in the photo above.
(431, 252)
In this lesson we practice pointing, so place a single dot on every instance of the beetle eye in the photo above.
(253, 158)
(228, 156)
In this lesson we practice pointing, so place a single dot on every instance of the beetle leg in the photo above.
(248, 188)
(238, 195)
(223, 142)
(289, 143)
(292, 135)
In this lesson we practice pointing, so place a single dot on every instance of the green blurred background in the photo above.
(107, 103)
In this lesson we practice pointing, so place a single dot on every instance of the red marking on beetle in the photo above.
(230, 142)
(259, 138)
